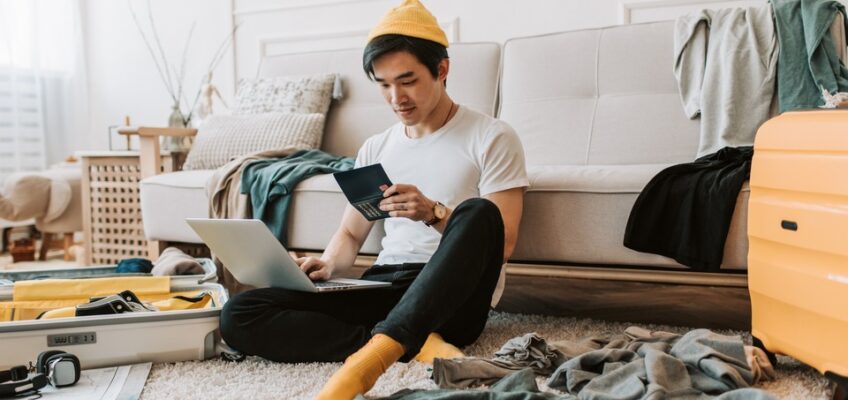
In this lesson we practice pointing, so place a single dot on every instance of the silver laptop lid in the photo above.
(252, 253)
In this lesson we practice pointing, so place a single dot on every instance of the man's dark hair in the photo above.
(426, 51)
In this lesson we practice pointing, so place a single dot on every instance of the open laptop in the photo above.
(255, 257)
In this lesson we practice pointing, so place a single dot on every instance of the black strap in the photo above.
(17, 373)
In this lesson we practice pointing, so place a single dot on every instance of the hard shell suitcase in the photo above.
(798, 237)
(119, 339)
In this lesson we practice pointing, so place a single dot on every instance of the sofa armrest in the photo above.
(150, 161)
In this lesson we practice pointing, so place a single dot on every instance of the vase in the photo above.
(176, 143)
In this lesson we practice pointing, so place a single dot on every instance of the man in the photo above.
(454, 221)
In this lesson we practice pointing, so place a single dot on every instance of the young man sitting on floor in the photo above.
(454, 221)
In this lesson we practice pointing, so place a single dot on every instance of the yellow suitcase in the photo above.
(798, 236)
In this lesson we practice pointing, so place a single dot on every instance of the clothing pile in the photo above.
(260, 185)
(116, 294)
(172, 261)
(639, 364)
(728, 63)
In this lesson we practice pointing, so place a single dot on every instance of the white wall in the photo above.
(296, 25)
(123, 79)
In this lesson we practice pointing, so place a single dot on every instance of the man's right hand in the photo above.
(315, 268)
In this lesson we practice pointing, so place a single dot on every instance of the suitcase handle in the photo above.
(789, 225)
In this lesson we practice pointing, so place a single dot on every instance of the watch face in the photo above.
(440, 210)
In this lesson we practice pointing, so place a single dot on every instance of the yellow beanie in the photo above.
(410, 19)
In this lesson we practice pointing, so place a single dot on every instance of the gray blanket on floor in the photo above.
(640, 364)
(519, 385)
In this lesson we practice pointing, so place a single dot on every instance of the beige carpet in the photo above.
(259, 379)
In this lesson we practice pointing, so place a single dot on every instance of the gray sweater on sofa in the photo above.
(725, 65)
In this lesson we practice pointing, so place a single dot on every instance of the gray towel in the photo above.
(173, 261)
(519, 385)
(725, 65)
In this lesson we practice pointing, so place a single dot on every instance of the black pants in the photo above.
(450, 294)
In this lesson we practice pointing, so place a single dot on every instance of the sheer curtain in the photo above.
(43, 96)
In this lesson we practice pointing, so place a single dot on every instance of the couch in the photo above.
(51, 199)
(598, 112)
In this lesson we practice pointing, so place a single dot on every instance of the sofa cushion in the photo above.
(315, 213)
(168, 199)
(599, 96)
(316, 209)
(592, 178)
(224, 137)
(305, 94)
(584, 209)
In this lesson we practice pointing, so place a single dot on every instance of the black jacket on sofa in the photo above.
(684, 212)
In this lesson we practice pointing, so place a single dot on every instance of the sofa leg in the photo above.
(7, 233)
(45, 245)
(66, 245)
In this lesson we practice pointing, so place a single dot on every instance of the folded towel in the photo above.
(173, 261)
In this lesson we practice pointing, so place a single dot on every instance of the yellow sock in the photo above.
(362, 369)
(436, 347)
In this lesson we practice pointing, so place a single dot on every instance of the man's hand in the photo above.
(315, 268)
(407, 201)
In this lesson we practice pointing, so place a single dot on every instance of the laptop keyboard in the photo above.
(332, 284)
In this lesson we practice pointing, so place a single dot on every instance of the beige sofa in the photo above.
(598, 112)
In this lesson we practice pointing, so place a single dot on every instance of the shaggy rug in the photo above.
(256, 378)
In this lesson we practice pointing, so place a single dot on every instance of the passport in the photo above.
(362, 187)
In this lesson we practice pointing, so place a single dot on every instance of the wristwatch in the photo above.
(439, 212)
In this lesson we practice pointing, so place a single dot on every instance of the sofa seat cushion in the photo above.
(315, 213)
(316, 209)
(592, 178)
(584, 210)
(168, 199)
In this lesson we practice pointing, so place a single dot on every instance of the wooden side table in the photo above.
(112, 225)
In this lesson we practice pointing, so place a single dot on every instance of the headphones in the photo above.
(55, 367)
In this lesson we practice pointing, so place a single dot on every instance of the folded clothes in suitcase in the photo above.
(798, 239)
(41, 314)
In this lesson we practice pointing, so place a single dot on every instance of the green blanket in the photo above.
(808, 56)
(271, 183)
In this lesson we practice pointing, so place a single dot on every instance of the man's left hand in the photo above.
(407, 201)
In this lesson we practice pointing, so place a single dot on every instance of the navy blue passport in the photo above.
(361, 186)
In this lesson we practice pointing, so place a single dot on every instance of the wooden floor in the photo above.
(638, 302)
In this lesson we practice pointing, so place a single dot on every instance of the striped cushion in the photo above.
(223, 137)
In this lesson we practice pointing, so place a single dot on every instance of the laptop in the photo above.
(255, 257)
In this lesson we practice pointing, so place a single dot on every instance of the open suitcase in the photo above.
(798, 234)
(118, 339)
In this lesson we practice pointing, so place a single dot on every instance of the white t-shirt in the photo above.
(473, 155)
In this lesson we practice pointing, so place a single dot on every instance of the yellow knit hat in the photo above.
(410, 19)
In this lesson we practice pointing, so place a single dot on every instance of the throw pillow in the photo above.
(223, 137)
(288, 94)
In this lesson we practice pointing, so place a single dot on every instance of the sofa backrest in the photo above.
(598, 96)
(362, 112)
